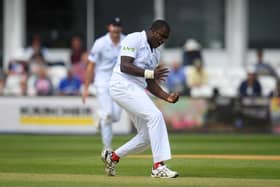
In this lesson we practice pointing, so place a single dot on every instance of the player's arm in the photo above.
(159, 74)
(128, 67)
(157, 91)
(93, 58)
(88, 79)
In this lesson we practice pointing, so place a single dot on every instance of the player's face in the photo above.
(115, 31)
(159, 37)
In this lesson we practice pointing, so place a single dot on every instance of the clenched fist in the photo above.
(173, 98)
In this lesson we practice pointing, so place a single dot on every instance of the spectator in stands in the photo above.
(79, 69)
(262, 67)
(192, 52)
(176, 80)
(30, 85)
(250, 87)
(196, 75)
(36, 48)
(16, 79)
(76, 49)
(276, 91)
(43, 84)
(70, 85)
(37, 61)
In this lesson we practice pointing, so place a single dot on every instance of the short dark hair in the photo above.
(158, 24)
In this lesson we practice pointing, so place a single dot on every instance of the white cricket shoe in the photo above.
(109, 163)
(164, 172)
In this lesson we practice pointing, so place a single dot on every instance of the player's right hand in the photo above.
(173, 98)
(160, 73)
(85, 95)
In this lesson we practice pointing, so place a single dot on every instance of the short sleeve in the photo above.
(129, 46)
(95, 52)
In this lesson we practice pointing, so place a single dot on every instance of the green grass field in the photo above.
(202, 160)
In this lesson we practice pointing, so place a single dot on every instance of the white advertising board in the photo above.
(53, 115)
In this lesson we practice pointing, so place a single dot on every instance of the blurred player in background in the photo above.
(101, 61)
(137, 68)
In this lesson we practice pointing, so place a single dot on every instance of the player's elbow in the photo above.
(124, 68)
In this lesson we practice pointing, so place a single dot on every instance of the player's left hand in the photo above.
(173, 97)
(85, 95)
(160, 73)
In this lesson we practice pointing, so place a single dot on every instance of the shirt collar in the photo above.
(145, 41)
(110, 40)
(144, 37)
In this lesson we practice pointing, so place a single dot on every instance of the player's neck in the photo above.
(114, 40)
(148, 40)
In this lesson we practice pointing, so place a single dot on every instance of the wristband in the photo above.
(149, 74)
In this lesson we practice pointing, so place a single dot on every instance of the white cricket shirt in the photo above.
(104, 54)
(136, 45)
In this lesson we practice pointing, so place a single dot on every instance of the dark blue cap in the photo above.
(116, 21)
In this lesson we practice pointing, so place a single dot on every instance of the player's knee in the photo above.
(145, 138)
(147, 141)
(107, 119)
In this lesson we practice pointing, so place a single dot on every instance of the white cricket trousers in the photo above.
(109, 112)
(148, 120)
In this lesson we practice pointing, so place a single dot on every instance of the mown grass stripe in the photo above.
(121, 180)
(214, 156)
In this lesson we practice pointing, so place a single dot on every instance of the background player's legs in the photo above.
(105, 105)
(134, 100)
(116, 111)
(138, 143)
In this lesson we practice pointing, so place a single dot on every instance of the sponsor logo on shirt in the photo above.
(130, 49)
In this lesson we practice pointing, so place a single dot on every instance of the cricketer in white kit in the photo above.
(101, 61)
(138, 68)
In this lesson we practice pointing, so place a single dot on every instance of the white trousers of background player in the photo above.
(148, 120)
(109, 112)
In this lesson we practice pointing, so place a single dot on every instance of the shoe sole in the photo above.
(103, 158)
(175, 176)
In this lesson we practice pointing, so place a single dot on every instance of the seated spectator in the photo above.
(192, 52)
(43, 84)
(36, 48)
(262, 67)
(276, 91)
(250, 87)
(18, 66)
(36, 64)
(30, 85)
(176, 80)
(79, 69)
(76, 49)
(16, 79)
(196, 75)
(70, 85)
(37, 61)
